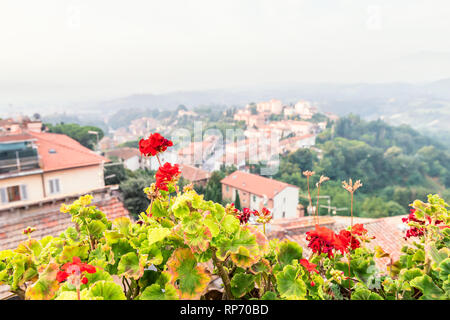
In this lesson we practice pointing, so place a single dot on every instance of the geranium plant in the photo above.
(182, 245)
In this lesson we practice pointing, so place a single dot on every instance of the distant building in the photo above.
(122, 135)
(195, 175)
(105, 144)
(305, 109)
(273, 106)
(251, 120)
(197, 152)
(297, 142)
(19, 125)
(142, 127)
(130, 157)
(187, 113)
(36, 166)
(256, 192)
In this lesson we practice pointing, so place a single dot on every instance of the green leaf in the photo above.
(131, 266)
(290, 285)
(96, 228)
(191, 278)
(31, 246)
(243, 258)
(108, 290)
(199, 241)
(69, 252)
(444, 267)
(419, 256)
(97, 276)
(46, 286)
(241, 284)
(155, 292)
(244, 238)
(158, 209)
(113, 236)
(212, 225)
(288, 251)
(157, 234)
(365, 294)
(438, 255)
(192, 223)
(123, 224)
(429, 289)
(230, 224)
(269, 295)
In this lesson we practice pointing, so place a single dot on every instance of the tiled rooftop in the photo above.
(389, 232)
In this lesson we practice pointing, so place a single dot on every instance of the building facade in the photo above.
(256, 192)
(36, 166)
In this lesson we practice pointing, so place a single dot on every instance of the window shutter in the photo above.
(3, 195)
(57, 185)
(23, 192)
(50, 182)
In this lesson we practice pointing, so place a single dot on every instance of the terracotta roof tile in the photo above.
(58, 151)
(193, 174)
(124, 153)
(255, 184)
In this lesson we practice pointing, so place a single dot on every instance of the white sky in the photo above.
(64, 50)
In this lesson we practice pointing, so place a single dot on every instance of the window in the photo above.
(13, 193)
(254, 198)
(228, 189)
(284, 214)
(54, 186)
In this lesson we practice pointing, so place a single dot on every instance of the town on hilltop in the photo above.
(251, 157)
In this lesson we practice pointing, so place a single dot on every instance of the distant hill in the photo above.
(424, 106)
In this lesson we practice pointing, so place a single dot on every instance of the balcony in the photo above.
(15, 161)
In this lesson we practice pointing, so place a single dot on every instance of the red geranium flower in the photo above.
(244, 216)
(166, 174)
(311, 267)
(347, 239)
(264, 216)
(358, 229)
(74, 271)
(155, 144)
(321, 240)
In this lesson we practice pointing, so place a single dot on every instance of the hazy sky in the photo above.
(65, 50)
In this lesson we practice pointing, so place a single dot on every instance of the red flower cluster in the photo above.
(346, 240)
(311, 267)
(244, 216)
(166, 174)
(264, 216)
(415, 231)
(155, 144)
(324, 240)
(74, 270)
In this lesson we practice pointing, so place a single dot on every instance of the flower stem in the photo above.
(317, 206)
(223, 274)
(159, 161)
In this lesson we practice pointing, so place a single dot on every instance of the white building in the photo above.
(256, 192)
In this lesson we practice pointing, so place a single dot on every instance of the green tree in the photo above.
(135, 200)
(237, 201)
(213, 189)
(114, 173)
(78, 132)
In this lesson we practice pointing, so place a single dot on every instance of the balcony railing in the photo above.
(18, 161)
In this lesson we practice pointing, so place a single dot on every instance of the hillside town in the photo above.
(41, 170)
